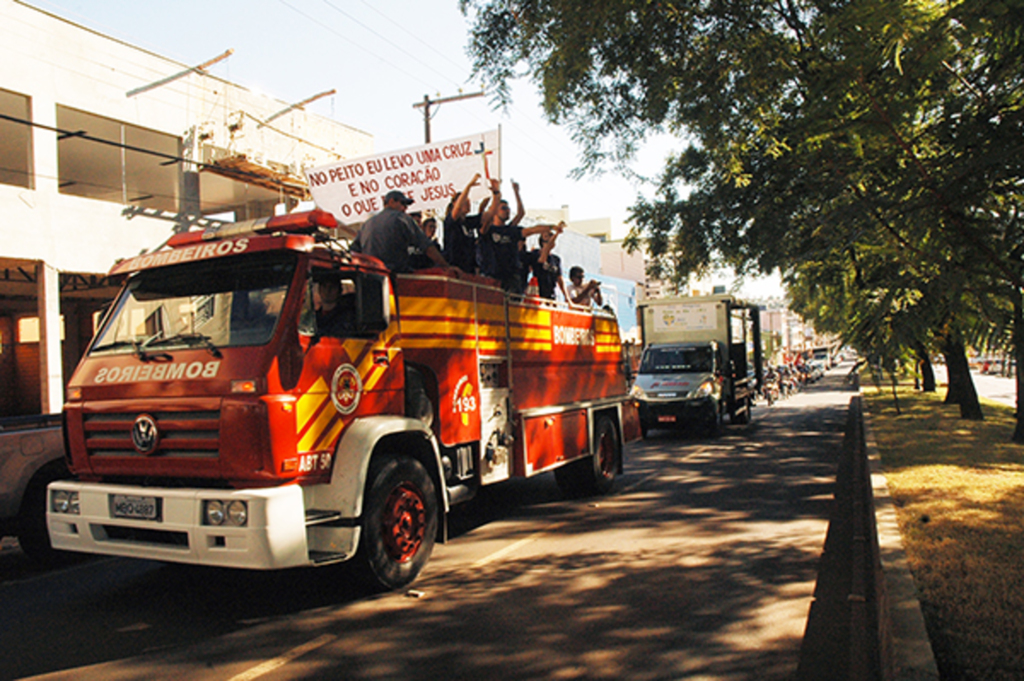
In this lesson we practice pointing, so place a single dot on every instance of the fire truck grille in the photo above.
(180, 434)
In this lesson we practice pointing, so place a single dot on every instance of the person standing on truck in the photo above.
(461, 230)
(429, 226)
(392, 237)
(546, 266)
(501, 242)
(588, 294)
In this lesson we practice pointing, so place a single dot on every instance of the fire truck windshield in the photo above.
(214, 304)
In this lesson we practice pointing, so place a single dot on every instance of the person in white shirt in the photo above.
(586, 295)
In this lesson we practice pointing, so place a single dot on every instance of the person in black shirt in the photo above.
(462, 230)
(546, 266)
(501, 242)
(420, 261)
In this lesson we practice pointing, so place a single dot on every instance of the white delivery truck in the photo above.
(702, 360)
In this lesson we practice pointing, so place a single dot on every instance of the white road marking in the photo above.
(281, 660)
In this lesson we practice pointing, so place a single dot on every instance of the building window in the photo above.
(28, 329)
(119, 172)
(15, 140)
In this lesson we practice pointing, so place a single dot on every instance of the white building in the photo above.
(105, 150)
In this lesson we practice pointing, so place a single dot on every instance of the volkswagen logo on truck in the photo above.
(145, 435)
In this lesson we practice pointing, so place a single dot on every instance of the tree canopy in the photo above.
(875, 144)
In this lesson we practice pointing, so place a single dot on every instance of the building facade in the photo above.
(105, 151)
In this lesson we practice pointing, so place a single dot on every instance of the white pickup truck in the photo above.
(31, 457)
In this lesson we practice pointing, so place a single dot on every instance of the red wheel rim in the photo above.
(403, 522)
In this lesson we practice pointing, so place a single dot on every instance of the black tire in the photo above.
(595, 474)
(644, 429)
(399, 526)
(33, 536)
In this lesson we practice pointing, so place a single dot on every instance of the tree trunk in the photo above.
(961, 386)
(927, 370)
(1018, 356)
(955, 378)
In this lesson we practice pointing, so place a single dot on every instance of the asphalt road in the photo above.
(702, 564)
(998, 388)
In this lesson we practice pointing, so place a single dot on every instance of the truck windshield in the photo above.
(228, 302)
(677, 361)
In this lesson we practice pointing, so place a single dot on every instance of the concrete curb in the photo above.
(912, 656)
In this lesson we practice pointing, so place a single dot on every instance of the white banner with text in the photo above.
(431, 175)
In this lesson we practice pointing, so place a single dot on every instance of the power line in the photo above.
(415, 37)
(384, 38)
(569, 149)
(330, 29)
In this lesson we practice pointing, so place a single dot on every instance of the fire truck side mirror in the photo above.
(373, 310)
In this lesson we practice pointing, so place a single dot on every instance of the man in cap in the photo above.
(392, 237)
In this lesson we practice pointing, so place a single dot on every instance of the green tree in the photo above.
(814, 126)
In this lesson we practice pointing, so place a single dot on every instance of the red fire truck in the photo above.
(216, 420)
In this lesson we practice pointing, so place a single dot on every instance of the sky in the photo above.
(382, 57)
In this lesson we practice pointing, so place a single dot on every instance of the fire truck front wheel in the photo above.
(400, 517)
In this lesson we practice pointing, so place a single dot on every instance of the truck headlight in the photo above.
(238, 513)
(62, 501)
(636, 392)
(217, 512)
(214, 513)
(705, 389)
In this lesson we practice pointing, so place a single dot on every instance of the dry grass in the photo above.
(959, 491)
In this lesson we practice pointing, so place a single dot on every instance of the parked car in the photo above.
(31, 457)
(815, 370)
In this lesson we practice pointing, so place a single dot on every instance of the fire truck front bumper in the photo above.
(252, 529)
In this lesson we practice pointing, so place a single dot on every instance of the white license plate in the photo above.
(670, 418)
(138, 508)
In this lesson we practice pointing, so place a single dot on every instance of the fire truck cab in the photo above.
(259, 397)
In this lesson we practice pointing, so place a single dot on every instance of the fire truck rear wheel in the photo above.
(400, 519)
(595, 474)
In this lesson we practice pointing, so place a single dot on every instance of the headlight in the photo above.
(706, 389)
(214, 513)
(238, 513)
(637, 392)
(217, 512)
(62, 501)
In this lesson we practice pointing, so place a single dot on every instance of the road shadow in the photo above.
(730, 530)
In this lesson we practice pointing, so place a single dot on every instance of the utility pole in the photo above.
(427, 102)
